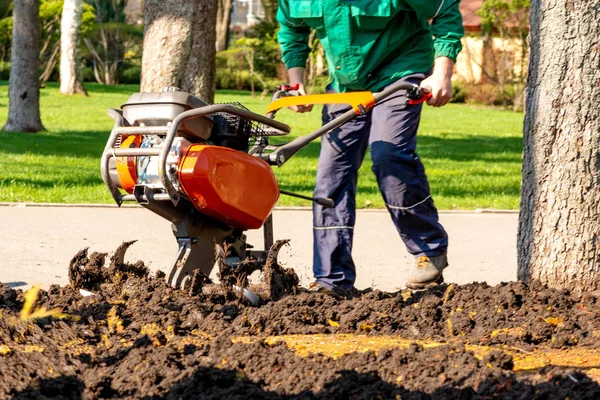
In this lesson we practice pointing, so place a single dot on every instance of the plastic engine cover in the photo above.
(229, 185)
(160, 108)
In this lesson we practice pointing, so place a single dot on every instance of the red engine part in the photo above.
(127, 166)
(229, 185)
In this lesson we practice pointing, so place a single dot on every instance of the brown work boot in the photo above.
(428, 272)
(316, 287)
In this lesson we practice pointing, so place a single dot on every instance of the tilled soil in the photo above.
(138, 338)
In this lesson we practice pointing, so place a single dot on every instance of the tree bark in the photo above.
(223, 20)
(179, 46)
(24, 90)
(559, 226)
(70, 71)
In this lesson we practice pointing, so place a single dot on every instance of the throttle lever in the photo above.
(287, 87)
(418, 95)
(323, 201)
(424, 98)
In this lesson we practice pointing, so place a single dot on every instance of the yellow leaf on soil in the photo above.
(27, 314)
(553, 321)
(114, 322)
(450, 327)
(516, 332)
(448, 292)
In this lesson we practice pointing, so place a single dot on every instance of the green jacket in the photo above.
(370, 43)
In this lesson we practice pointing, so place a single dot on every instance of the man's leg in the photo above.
(342, 152)
(401, 177)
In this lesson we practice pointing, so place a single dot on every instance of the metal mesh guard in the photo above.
(247, 127)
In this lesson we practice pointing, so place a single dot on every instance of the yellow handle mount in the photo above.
(361, 102)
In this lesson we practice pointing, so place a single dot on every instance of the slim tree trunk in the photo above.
(24, 90)
(223, 20)
(50, 64)
(70, 72)
(488, 60)
(179, 46)
(559, 227)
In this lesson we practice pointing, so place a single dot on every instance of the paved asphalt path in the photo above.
(37, 243)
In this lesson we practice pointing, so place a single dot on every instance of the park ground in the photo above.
(137, 338)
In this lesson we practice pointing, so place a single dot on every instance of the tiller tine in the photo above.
(274, 251)
(195, 253)
(119, 255)
(234, 271)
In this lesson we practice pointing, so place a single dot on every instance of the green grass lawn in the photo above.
(472, 154)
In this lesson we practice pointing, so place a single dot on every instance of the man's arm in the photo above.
(293, 38)
(440, 82)
(447, 30)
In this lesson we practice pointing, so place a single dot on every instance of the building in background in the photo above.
(484, 58)
(245, 13)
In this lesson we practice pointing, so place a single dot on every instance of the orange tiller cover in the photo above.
(229, 185)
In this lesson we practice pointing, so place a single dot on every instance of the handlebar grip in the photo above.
(424, 98)
(287, 87)
(325, 202)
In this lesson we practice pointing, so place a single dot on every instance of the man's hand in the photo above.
(439, 83)
(296, 76)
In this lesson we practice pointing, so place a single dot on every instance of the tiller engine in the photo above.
(207, 169)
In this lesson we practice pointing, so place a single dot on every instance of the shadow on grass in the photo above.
(495, 189)
(475, 148)
(72, 181)
(93, 87)
(62, 144)
(490, 149)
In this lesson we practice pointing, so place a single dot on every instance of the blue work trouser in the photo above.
(390, 130)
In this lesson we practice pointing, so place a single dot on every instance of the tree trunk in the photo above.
(488, 60)
(223, 19)
(70, 72)
(24, 90)
(179, 46)
(50, 64)
(559, 227)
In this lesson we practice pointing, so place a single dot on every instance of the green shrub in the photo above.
(131, 74)
(4, 71)
(318, 85)
(514, 95)
(87, 73)
(232, 79)
(227, 78)
(484, 93)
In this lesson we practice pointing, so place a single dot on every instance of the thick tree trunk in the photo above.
(179, 46)
(70, 72)
(24, 90)
(559, 229)
(223, 20)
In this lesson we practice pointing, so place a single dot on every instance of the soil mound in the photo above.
(138, 338)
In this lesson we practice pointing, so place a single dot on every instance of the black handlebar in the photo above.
(283, 153)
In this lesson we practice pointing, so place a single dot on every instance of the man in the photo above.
(370, 44)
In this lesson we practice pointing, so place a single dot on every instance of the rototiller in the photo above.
(207, 168)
